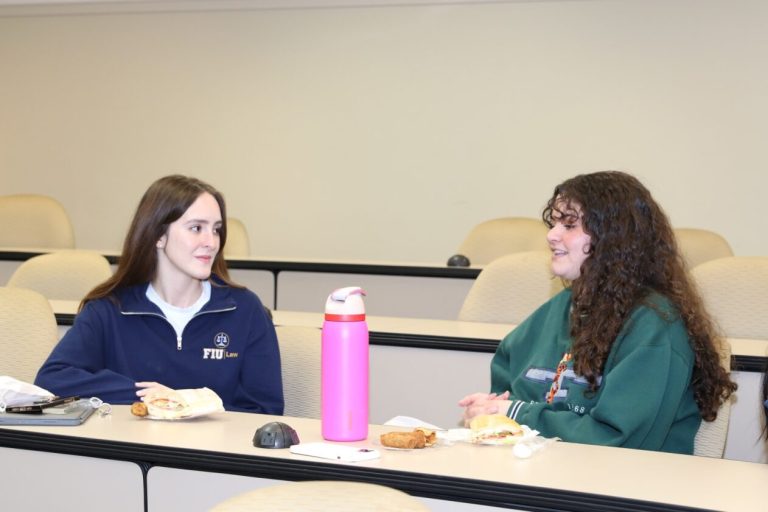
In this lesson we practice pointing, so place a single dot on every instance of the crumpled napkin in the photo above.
(15, 392)
(528, 444)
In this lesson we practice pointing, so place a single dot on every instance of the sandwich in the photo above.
(166, 407)
(495, 429)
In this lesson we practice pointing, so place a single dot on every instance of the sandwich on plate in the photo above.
(495, 429)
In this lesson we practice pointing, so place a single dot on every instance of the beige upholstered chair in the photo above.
(323, 496)
(62, 275)
(497, 237)
(712, 435)
(510, 288)
(32, 220)
(735, 293)
(238, 244)
(701, 245)
(29, 332)
(300, 361)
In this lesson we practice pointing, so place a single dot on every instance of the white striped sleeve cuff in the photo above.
(515, 408)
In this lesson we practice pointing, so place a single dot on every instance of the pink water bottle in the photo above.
(344, 367)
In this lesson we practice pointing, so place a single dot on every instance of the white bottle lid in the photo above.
(346, 305)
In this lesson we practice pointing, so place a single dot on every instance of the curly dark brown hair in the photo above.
(632, 253)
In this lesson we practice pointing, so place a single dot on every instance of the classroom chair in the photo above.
(700, 245)
(300, 362)
(510, 288)
(238, 244)
(29, 332)
(62, 275)
(712, 435)
(735, 292)
(323, 496)
(34, 221)
(496, 237)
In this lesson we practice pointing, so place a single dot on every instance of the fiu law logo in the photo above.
(219, 350)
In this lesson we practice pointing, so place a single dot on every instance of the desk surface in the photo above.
(414, 332)
(749, 355)
(66, 310)
(565, 476)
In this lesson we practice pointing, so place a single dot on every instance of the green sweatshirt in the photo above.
(645, 398)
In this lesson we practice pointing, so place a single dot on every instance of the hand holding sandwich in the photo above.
(478, 404)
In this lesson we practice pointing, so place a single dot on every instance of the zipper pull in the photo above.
(178, 342)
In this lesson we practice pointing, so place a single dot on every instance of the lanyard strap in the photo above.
(562, 365)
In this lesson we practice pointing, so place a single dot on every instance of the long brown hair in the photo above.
(164, 202)
(632, 253)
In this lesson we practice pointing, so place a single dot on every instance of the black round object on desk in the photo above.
(275, 435)
(458, 260)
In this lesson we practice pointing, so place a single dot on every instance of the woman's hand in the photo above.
(150, 388)
(484, 403)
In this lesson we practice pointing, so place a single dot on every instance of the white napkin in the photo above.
(407, 421)
(15, 392)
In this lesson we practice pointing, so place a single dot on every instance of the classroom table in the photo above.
(447, 359)
(180, 456)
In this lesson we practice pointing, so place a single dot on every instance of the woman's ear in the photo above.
(161, 243)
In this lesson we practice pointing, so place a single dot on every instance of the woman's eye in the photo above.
(195, 228)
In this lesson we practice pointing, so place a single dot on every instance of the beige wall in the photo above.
(387, 132)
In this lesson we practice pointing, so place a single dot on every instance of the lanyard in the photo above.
(556, 382)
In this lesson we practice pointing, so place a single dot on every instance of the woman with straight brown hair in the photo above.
(169, 317)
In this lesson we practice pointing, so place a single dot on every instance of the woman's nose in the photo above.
(209, 238)
(553, 234)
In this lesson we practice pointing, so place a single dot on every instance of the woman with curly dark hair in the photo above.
(626, 355)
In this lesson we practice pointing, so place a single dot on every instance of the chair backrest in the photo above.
(735, 293)
(496, 237)
(323, 496)
(238, 244)
(712, 435)
(62, 275)
(300, 361)
(29, 332)
(700, 245)
(33, 220)
(510, 288)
